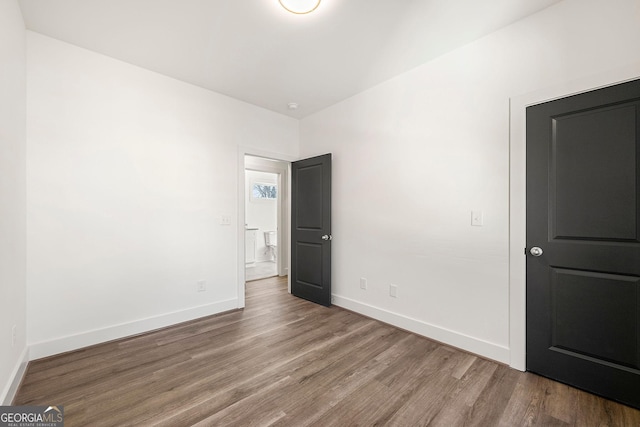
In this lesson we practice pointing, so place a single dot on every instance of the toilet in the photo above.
(271, 242)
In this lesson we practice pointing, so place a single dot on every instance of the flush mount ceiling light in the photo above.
(300, 7)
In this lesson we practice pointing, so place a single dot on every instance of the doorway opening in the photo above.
(265, 217)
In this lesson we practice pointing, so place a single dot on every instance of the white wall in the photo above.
(129, 173)
(12, 197)
(414, 155)
(262, 214)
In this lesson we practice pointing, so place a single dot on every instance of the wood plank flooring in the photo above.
(283, 361)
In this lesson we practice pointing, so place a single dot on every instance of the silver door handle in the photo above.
(327, 237)
(536, 251)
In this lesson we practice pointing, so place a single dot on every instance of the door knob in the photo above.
(536, 251)
(327, 237)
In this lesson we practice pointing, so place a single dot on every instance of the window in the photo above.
(264, 191)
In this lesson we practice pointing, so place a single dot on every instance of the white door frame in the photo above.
(517, 193)
(283, 220)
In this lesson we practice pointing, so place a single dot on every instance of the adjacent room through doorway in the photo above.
(261, 218)
(265, 193)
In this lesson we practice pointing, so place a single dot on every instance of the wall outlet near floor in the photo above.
(476, 218)
(363, 283)
(393, 291)
(201, 286)
(13, 336)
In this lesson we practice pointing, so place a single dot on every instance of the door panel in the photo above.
(584, 154)
(583, 291)
(309, 257)
(310, 221)
(595, 314)
(309, 197)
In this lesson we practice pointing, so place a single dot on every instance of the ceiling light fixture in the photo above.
(292, 106)
(300, 7)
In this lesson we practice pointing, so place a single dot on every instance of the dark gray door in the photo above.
(583, 247)
(311, 229)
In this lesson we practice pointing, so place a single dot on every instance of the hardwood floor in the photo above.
(284, 361)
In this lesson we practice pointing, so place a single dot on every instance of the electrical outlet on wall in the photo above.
(476, 218)
(393, 290)
(201, 286)
(363, 283)
(225, 219)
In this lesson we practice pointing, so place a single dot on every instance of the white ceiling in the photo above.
(255, 51)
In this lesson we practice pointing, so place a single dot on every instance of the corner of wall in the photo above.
(17, 374)
(13, 350)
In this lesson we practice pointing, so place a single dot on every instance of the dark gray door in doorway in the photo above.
(311, 229)
(583, 247)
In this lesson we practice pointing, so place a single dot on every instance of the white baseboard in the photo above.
(445, 336)
(73, 342)
(6, 399)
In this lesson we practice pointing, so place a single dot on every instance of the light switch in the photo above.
(476, 218)
(225, 219)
